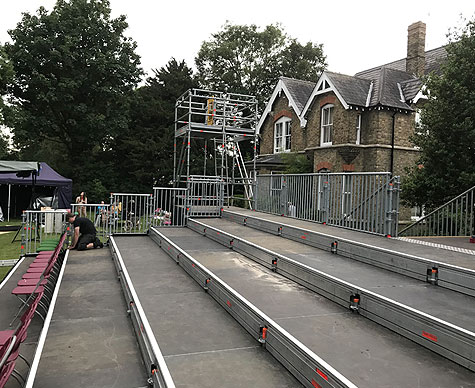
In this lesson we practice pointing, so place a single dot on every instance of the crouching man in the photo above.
(84, 236)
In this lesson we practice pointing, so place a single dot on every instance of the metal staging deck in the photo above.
(442, 255)
(366, 353)
(202, 345)
(447, 305)
(90, 342)
(207, 335)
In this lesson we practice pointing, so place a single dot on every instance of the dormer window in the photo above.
(326, 138)
(282, 135)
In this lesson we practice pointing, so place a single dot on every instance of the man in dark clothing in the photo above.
(84, 236)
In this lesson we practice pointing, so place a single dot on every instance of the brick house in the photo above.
(350, 123)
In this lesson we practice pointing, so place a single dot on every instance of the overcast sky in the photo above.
(356, 35)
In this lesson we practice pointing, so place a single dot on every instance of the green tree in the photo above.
(3, 147)
(243, 59)
(74, 74)
(146, 149)
(447, 134)
(296, 163)
(6, 76)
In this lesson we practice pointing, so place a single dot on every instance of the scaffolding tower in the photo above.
(221, 121)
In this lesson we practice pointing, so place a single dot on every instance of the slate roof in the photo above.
(385, 90)
(434, 58)
(388, 78)
(354, 90)
(410, 88)
(386, 86)
(389, 81)
(389, 85)
(299, 90)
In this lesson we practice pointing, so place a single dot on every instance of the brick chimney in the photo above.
(416, 41)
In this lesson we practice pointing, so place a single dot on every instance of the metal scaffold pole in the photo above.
(222, 120)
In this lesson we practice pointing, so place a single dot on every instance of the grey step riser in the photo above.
(450, 277)
(150, 359)
(302, 363)
(452, 343)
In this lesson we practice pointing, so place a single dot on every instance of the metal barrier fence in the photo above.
(455, 218)
(169, 206)
(360, 201)
(39, 226)
(205, 196)
(98, 213)
(130, 213)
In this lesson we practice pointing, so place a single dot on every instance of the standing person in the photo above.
(84, 236)
(80, 199)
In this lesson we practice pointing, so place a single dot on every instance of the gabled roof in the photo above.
(387, 90)
(381, 87)
(387, 85)
(354, 90)
(434, 58)
(385, 77)
(350, 91)
(297, 92)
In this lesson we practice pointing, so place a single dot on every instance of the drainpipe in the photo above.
(391, 168)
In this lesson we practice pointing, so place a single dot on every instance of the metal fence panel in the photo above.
(361, 201)
(169, 206)
(98, 213)
(205, 196)
(455, 218)
(130, 213)
(39, 226)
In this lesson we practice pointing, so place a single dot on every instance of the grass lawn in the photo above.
(13, 221)
(3, 272)
(7, 249)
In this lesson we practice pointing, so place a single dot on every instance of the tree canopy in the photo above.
(74, 72)
(6, 71)
(244, 59)
(6, 76)
(446, 136)
(145, 151)
(71, 77)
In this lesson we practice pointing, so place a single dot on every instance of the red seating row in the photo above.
(35, 291)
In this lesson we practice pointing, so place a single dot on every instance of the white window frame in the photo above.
(283, 135)
(326, 126)
(358, 128)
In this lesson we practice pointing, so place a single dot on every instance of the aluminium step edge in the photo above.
(444, 338)
(157, 369)
(310, 369)
(448, 275)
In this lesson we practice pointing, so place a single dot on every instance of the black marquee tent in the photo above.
(36, 174)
